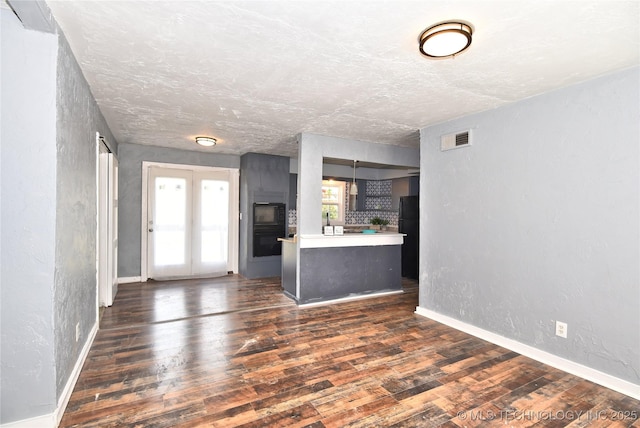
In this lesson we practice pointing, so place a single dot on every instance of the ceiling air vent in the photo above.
(455, 141)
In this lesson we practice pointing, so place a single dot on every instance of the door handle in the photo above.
(150, 230)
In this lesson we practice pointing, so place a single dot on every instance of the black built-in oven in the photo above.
(269, 224)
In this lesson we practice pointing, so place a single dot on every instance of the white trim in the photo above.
(604, 379)
(43, 421)
(112, 235)
(97, 159)
(71, 383)
(342, 199)
(53, 419)
(102, 216)
(144, 221)
(107, 213)
(130, 279)
(234, 218)
(348, 299)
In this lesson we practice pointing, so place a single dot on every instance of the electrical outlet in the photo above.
(77, 332)
(561, 329)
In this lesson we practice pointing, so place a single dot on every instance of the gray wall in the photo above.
(538, 221)
(130, 157)
(75, 279)
(28, 222)
(48, 217)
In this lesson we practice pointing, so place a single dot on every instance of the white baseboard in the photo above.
(39, 422)
(71, 383)
(130, 279)
(348, 299)
(52, 420)
(593, 375)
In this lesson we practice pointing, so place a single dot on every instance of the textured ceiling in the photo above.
(256, 73)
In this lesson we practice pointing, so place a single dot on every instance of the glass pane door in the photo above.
(211, 223)
(170, 223)
(188, 223)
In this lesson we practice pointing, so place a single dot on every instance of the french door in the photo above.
(189, 229)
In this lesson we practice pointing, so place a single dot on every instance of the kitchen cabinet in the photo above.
(361, 200)
(414, 186)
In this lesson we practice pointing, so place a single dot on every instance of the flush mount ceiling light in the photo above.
(206, 141)
(445, 40)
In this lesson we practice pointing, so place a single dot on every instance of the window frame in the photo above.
(340, 202)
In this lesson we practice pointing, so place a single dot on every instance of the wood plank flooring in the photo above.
(231, 352)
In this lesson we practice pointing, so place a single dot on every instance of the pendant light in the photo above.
(353, 191)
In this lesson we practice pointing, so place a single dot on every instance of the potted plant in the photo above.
(378, 223)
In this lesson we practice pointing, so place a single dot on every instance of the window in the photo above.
(333, 201)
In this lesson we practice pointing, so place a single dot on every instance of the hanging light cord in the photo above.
(354, 171)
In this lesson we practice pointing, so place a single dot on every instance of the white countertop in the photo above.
(350, 240)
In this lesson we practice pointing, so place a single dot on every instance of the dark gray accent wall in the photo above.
(28, 220)
(78, 120)
(130, 157)
(263, 178)
(338, 272)
(538, 220)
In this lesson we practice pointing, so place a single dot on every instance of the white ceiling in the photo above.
(256, 73)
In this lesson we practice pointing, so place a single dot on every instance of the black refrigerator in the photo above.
(409, 224)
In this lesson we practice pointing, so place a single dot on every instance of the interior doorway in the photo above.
(107, 176)
(191, 221)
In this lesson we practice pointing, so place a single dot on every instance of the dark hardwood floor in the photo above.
(230, 352)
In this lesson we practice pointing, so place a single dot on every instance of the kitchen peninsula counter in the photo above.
(351, 240)
(318, 268)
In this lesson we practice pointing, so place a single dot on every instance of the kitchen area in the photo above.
(351, 258)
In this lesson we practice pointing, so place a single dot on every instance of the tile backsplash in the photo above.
(378, 195)
(293, 218)
(364, 217)
(356, 217)
(378, 188)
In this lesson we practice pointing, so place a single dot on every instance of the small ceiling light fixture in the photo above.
(445, 40)
(354, 187)
(353, 190)
(206, 141)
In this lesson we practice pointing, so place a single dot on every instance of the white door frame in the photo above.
(234, 217)
(99, 215)
(106, 224)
